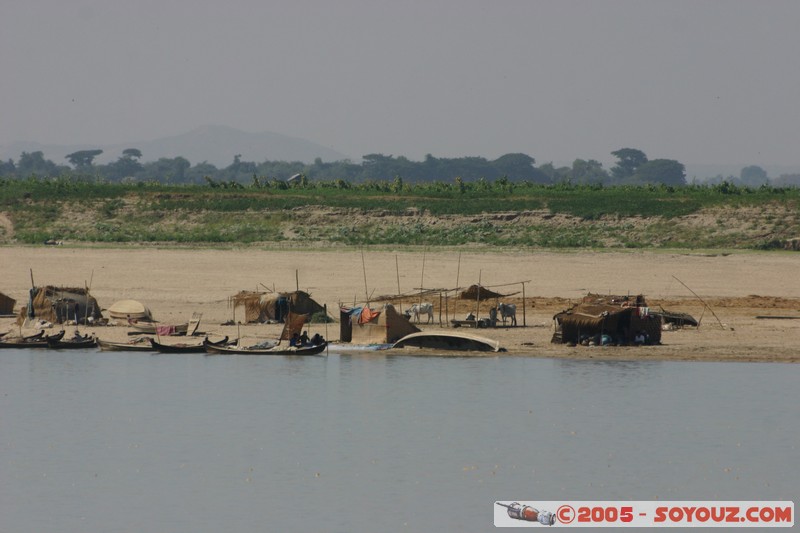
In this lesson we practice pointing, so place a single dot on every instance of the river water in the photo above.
(94, 441)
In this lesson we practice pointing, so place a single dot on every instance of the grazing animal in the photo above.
(508, 311)
(422, 309)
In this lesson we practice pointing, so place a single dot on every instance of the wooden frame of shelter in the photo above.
(444, 296)
(477, 292)
(481, 293)
(417, 297)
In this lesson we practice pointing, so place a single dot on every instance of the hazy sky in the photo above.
(700, 81)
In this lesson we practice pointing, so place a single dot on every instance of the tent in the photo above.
(7, 304)
(264, 307)
(124, 309)
(362, 325)
(618, 318)
(60, 304)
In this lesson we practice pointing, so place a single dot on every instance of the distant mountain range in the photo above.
(217, 145)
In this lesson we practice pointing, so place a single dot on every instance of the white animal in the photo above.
(422, 309)
(508, 311)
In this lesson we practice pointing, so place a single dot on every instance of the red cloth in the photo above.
(367, 315)
(165, 330)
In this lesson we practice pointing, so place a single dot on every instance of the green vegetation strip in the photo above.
(80, 209)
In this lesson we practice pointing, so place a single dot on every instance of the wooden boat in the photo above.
(38, 340)
(156, 328)
(83, 341)
(141, 344)
(151, 328)
(185, 347)
(315, 349)
(292, 326)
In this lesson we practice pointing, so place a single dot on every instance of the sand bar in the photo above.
(176, 282)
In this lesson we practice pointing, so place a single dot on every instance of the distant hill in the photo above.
(216, 144)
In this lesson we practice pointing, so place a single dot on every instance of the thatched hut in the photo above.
(59, 305)
(362, 325)
(250, 302)
(7, 304)
(260, 307)
(607, 319)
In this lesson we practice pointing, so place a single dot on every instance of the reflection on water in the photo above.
(95, 441)
(615, 373)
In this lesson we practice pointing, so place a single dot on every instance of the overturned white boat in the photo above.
(446, 340)
(129, 309)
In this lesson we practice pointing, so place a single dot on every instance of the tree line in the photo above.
(632, 168)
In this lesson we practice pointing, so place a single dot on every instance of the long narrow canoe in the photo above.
(141, 344)
(34, 341)
(86, 341)
(152, 328)
(185, 347)
(275, 350)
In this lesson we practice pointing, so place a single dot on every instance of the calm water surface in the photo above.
(115, 442)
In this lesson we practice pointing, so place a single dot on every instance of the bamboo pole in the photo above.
(364, 269)
(422, 278)
(458, 274)
(397, 271)
(524, 320)
(704, 303)
(88, 295)
(478, 300)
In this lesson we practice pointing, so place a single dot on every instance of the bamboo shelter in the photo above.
(251, 302)
(261, 307)
(59, 305)
(608, 320)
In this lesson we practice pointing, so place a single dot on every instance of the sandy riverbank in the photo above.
(175, 283)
